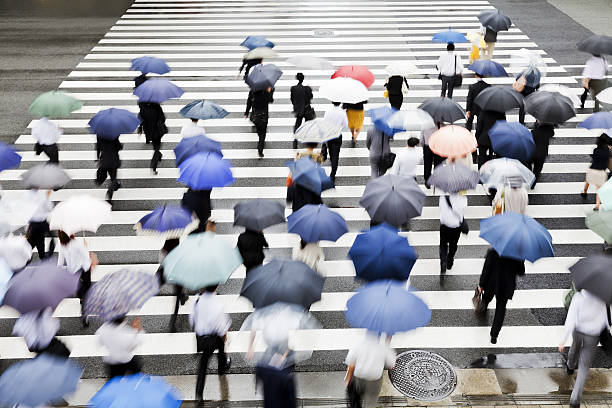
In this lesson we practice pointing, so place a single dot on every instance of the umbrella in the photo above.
(532, 76)
(499, 99)
(110, 123)
(54, 104)
(148, 64)
(476, 38)
(443, 110)
(565, 91)
(452, 178)
(517, 236)
(136, 391)
(378, 116)
(46, 176)
(549, 107)
(157, 90)
(393, 199)
(598, 120)
(256, 215)
(401, 68)
(357, 72)
(17, 211)
(512, 140)
(203, 110)
(524, 58)
(283, 280)
(604, 96)
(605, 195)
(318, 130)
(40, 285)
(167, 222)
(600, 222)
(381, 253)
(39, 381)
(116, 294)
(449, 36)
(263, 76)
(310, 175)
(260, 53)
(5, 276)
(594, 273)
(9, 158)
(494, 20)
(190, 146)
(452, 141)
(201, 260)
(310, 62)
(405, 120)
(485, 67)
(205, 170)
(256, 41)
(16, 251)
(596, 44)
(386, 307)
(344, 90)
(79, 213)
(314, 223)
(500, 171)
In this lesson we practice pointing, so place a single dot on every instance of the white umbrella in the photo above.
(411, 120)
(317, 131)
(402, 69)
(505, 171)
(605, 96)
(261, 52)
(79, 213)
(16, 251)
(524, 58)
(563, 90)
(310, 62)
(16, 212)
(344, 90)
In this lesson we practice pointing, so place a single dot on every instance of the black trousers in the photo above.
(500, 311)
(119, 370)
(179, 292)
(448, 84)
(299, 117)
(36, 234)
(333, 146)
(103, 173)
(260, 120)
(536, 166)
(50, 150)
(448, 244)
(430, 160)
(84, 284)
(485, 153)
(396, 101)
(209, 345)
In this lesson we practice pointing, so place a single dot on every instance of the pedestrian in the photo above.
(210, 324)
(278, 385)
(299, 196)
(596, 174)
(526, 83)
(338, 116)
(179, 291)
(486, 120)
(308, 252)
(587, 317)
(511, 198)
(248, 63)
(107, 152)
(430, 159)
(251, 246)
(490, 38)
(541, 133)
(257, 104)
(140, 79)
(449, 67)
(378, 145)
(301, 95)
(452, 210)
(355, 115)
(120, 341)
(192, 129)
(38, 227)
(366, 362)
(471, 109)
(198, 202)
(46, 134)
(154, 127)
(310, 153)
(407, 159)
(396, 85)
(498, 279)
(38, 329)
(594, 79)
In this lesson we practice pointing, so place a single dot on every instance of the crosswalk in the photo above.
(199, 39)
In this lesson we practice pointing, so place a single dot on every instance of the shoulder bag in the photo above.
(386, 160)
(519, 84)
(605, 338)
(457, 78)
(465, 228)
(480, 308)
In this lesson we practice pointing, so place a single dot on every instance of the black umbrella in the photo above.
(259, 214)
(452, 178)
(443, 110)
(494, 20)
(594, 273)
(499, 99)
(549, 107)
(596, 44)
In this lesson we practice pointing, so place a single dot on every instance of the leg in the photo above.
(483, 155)
(443, 250)
(574, 352)
(36, 238)
(178, 291)
(500, 314)
(298, 121)
(522, 115)
(427, 163)
(453, 239)
(334, 155)
(444, 86)
(203, 369)
(583, 98)
(262, 126)
(451, 87)
(324, 149)
(597, 200)
(589, 345)
(538, 164)
(53, 153)
(100, 176)
(469, 123)
(156, 155)
(371, 392)
(223, 361)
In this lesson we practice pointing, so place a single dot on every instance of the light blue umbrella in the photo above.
(532, 76)
(110, 123)
(136, 391)
(318, 131)
(148, 64)
(194, 145)
(314, 223)
(5, 276)
(256, 41)
(308, 174)
(449, 36)
(503, 171)
(599, 120)
(203, 110)
(157, 90)
(206, 170)
(379, 117)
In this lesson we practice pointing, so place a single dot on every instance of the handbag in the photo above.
(309, 113)
(480, 308)
(457, 78)
(386, 160)
(465, 228)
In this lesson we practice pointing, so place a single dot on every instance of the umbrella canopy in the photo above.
(381, 253)
(263, 76)
(256, 41)
(148, 64)
(167, 222)
(314, 223)
(205, 170)
(260, 53)
(598, 120)
(259, 214)
(40, 285)
(201, 260)
(318, 130)
(476, 39)
(54, 104)
(532, 76)
(512, 140)
(596, 44)
(488, 68)
(525, 58)
(110, 123)
(16, 212)
(157, 90)
(549, 107)
(501, 171)
(46, 176)
(203, 110)
(404, 121)
(39, 381)
(310, 62)
(565, 91)
(345, 90)
(79, 213)
(310, 175)
(283, 280)
(357, 72)
(600, 222)
(386, 307)
(604, 96)
(190, 146)
(136, 391)
(9, 159)
(449, 36)
(605, 195)
(494, 20)
(378, 116)
(5, 276)
(393, 199)
(452, 178)
(499, 99)
(15, 251)
(594, 273)
(452, 141)
(401, 68)
(443, 110)
(517, 236)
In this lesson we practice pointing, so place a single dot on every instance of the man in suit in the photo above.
(486, 120)
(471, 109)
(301, 95)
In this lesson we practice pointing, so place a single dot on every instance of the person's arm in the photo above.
(570, 320)
(244, 63)
(487, 269)
(468, 102)
(249, 104)
(250, 352)
(349, 374)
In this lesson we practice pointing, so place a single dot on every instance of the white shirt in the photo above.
(595, 68)
(446, 64)
(43, 204)
(120, 340)
(190, 130)
(45, 132)
(311, 255)
(370, 358)
(452, 218)
(337, 115)
(37, 330)
(75, 256)
(586, 314)
(208, 316)
(406, 161)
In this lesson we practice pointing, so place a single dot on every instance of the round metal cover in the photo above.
(423, 376)
(324, 32)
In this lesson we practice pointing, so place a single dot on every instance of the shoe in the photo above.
(583, 195)
(109, 195)
(449, 263)
(493, 340)
(228, 365)
(595, 208)
(353, 143)
(84, 322)
(569, 371)
(295, 145)
(442, 268)
(260, 154)
(183, 299)
(427, 186)
(117, 186)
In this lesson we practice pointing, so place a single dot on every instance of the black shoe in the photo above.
(183, 299)
(449, 263)
(569, 371)
(260, 154)
(493, 340)
(109, 195)
(295, 145)
(583, 195)
(116, 186)
(228, 365)
(442, 268)
(84, 322)
(427, 186)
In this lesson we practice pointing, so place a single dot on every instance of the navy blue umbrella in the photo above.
(512, 140)
(494, 20)
(203, 110)
(259, 214)
(485, 67)
(449, 36)
(193, 145)
(110, 123)
(206, 170)
(599, 120)
(256, 41)
(263, 76)
(532, 76)
(308, 174)
(167, 221)
(9, 159)
(136, 391)
(157, 90)
(314, 223)
(148, 64)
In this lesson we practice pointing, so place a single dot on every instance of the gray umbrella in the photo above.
(259, 214)
(596, 44)
(263, 76)
(499, 99)
(549, 107)
(452, 178)
(594, 273)
(45, 176)
(393, 199)
(494, 20)
(443, 110)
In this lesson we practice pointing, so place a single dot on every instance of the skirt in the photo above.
(596, 177)
(355, 118)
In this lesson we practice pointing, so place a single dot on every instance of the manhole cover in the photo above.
(423, 376)
(323, 32)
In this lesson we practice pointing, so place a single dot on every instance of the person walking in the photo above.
(452, 210)
(490, 38)
(541, 133)
(192, 129)
(486, 120)
(251, 246)
(594, 79)
(596, 174)
(38, 227)
(407, 159)
(355, 115)
(107, 152)
(154, 127)
(140, 79)
(120, 340)
(498, 279)
(46, 134)
(299, 196)
(449, 65)
(278, 385)
(301, 95)
(526, 82)
(309, 152)
(338, 116)
(38, 329)
(396, 85)
(378, 145)
(308, 252)
(257, 104)
(471, 109)
(430, 159)
(198, 202)
(248, 63)
(179, 291)
(511, 198)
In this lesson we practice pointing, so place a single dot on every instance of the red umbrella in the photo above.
(358, 72)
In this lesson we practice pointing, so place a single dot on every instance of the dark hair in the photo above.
(170, 244)
(299, 77)
(602, 141)
(194, 120)
(311, 145)
(597, 55)
(211, 288)
(336, 103)
(413, 141)
(450, 46)
(118, 320)
(303, 244)
(64, 238)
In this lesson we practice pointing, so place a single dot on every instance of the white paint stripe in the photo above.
(343, 34)
(124, 26)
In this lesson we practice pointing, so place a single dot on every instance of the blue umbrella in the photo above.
(167, 221)
(9, 159)
(449, 36)
(110, 123)
(512, 140)
(263, 76)
(5, 276)
(315, 223)
(203, 110)
(256, 41)
(157, 90)
(206, 170)
(193, 145)
(517, 236)
(532, 76)
(381, 253)
(308, 174)
(599, 120)
(379, 118)
(136, 391)
(38, 381)
(386, 307)
(485, 67)
(150, 64)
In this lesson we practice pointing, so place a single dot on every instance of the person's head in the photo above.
(118, 320)
(170, 244)
(64, 238)
(211, 226)
(478, 76)
(597, 55)
(195, 121)
(413, 142)
(310, 145)
(450, 46)
(602, 141)
(336, 103)
(211, 289)
(300, 77)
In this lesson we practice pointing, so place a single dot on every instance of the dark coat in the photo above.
(299, 197)
(499, 274)
(486, 120)
(153, 121)
(258, 101)
(140, 79)
(542, 133)
(107, 152)
(278, 387)
(394, 85)
(301, 95)
(473, 92)
(198, 202)
(490, 36)
(354, 106)
(251, 246)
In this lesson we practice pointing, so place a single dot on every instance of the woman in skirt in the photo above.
(596, 174)
(355, 115)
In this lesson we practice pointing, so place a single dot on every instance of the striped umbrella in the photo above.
(167, 221)
(452, 178)
(116, 294)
